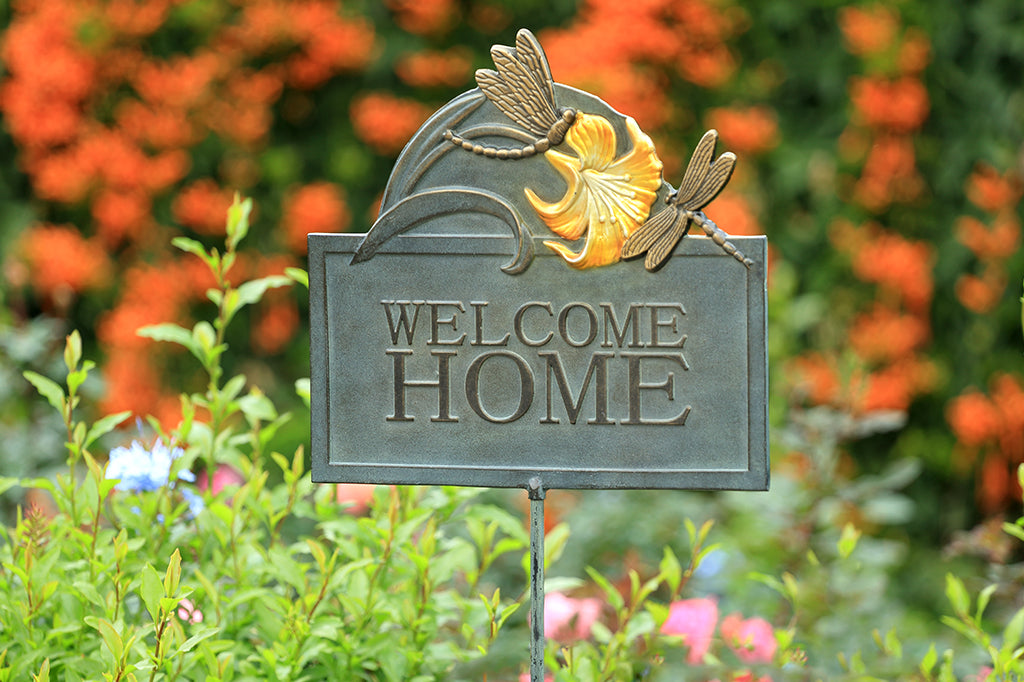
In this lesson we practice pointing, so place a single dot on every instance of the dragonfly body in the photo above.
(702, 182)
(521, 88)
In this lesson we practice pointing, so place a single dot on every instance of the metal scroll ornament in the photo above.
(512, 174)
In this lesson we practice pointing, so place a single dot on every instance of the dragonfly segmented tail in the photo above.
(702, 182)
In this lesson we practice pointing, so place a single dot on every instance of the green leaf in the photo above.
(302, 389)
(1012, 633)
(169, 332)
(252, 292)
(47, 388)
(848, 540)
(151, 590)
(110, 635)
(191, 642)
(670, 569)
(257, 408)
(298, 275)
(105, 425)
(238, 221)
(929, 661)
(73, 350)
(193, 247)
(957, 595)
(172, 577)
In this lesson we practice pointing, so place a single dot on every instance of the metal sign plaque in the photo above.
(431, 365)
(528, 310)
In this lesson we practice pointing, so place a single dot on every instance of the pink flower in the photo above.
(694, 620)
(981, 676)
(188, 612)
(567, 619)
(357, 495)
(753, 640)
(223, 477)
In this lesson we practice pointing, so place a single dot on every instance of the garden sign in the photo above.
(529, 311)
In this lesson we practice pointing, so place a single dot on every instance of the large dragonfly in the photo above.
(703, 181)
(523, 90)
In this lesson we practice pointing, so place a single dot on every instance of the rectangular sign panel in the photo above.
(430, 365)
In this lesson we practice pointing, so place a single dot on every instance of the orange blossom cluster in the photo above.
(104, 123)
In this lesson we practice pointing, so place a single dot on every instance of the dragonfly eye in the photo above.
(568, 114)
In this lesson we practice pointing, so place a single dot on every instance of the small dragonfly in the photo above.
(522, 88)
(702, 182)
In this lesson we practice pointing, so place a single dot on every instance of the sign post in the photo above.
(497, 326)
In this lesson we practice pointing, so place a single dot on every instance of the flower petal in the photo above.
(607, 198)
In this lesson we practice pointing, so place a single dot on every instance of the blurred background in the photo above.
(881, 150)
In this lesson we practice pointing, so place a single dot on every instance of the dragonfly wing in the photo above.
(662, 249)
(531, 55)
(697, 169)
(533, 101)
(503, 96)
(648, 234)
(713, 183)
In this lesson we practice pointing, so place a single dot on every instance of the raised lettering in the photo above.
(611, 322)
(441, 384)
(394, 327)
(517, 323)
(525, 386)
(478, 338)
(598, 369)
(657, 324)
(636, 385)
(563, 324)
(436, 321)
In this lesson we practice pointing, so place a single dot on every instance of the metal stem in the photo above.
(536, 491)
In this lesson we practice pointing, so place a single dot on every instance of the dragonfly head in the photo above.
(568, 114)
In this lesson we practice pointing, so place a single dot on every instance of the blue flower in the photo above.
(138, 469)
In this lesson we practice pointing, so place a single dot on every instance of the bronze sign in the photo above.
(491, 328)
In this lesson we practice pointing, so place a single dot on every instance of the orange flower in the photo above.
(131, 383)
(915, 52)
(319, 207)
(998, 243)
(423, 17)
(868, 30)
(973, 418)
(884, 334)
(121, 215)
(990, 191)
(449, 68)
(899, 266)
(752, 130)
(981, 294)
(275, 325)
(899, 105)
(732, 212)
(181, 81)
(385, 122)
(815, 377)
(889, 173)
(202, 206)
(1008, 397)
(61, 260)
(895, 386)
(135, 19)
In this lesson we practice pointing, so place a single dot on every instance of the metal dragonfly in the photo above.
(702, 182)
(522, 88)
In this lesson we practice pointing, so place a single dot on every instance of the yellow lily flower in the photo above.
(607, 198)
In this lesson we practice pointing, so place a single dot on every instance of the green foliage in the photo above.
(270, 580)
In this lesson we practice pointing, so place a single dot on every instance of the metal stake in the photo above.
(536, 492)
